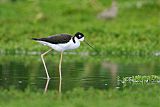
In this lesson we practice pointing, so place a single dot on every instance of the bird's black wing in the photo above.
(56, 39)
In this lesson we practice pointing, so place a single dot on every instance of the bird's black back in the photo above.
(56, 39)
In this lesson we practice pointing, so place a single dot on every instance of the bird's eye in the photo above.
(79, 35)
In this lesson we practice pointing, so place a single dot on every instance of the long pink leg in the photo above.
(44, 63)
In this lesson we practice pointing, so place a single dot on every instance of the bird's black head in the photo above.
(80, 36)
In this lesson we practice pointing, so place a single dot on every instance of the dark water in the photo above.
(23, 72)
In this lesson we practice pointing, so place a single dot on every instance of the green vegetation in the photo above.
(134, 30)
(139, 80)
(83, 98)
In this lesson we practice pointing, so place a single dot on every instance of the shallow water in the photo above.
(23, 72)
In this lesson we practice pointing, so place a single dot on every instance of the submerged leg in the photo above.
(60, 86)
(60, 63)
(46, 86)
(44, 63)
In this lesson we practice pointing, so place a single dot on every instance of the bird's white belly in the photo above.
(62, 47)
(74, 45)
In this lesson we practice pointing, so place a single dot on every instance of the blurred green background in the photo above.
(134, 29)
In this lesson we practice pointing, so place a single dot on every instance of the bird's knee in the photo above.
(42, 55)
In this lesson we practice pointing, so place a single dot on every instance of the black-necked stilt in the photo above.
(60, 42)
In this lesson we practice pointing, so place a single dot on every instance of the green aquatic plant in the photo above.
(138, 80)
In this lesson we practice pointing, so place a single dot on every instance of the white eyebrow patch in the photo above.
(81, 39)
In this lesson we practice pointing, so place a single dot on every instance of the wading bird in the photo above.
(60, 43)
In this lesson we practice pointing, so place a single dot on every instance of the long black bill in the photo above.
(88, 44)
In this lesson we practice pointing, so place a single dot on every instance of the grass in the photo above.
(83, 98)
(134, 30)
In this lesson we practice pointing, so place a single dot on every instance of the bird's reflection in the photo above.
(59, 88)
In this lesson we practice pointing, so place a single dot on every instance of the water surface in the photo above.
(23, 72)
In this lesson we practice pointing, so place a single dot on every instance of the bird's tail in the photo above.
(35, 39)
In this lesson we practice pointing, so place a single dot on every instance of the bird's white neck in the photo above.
(75, 40)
